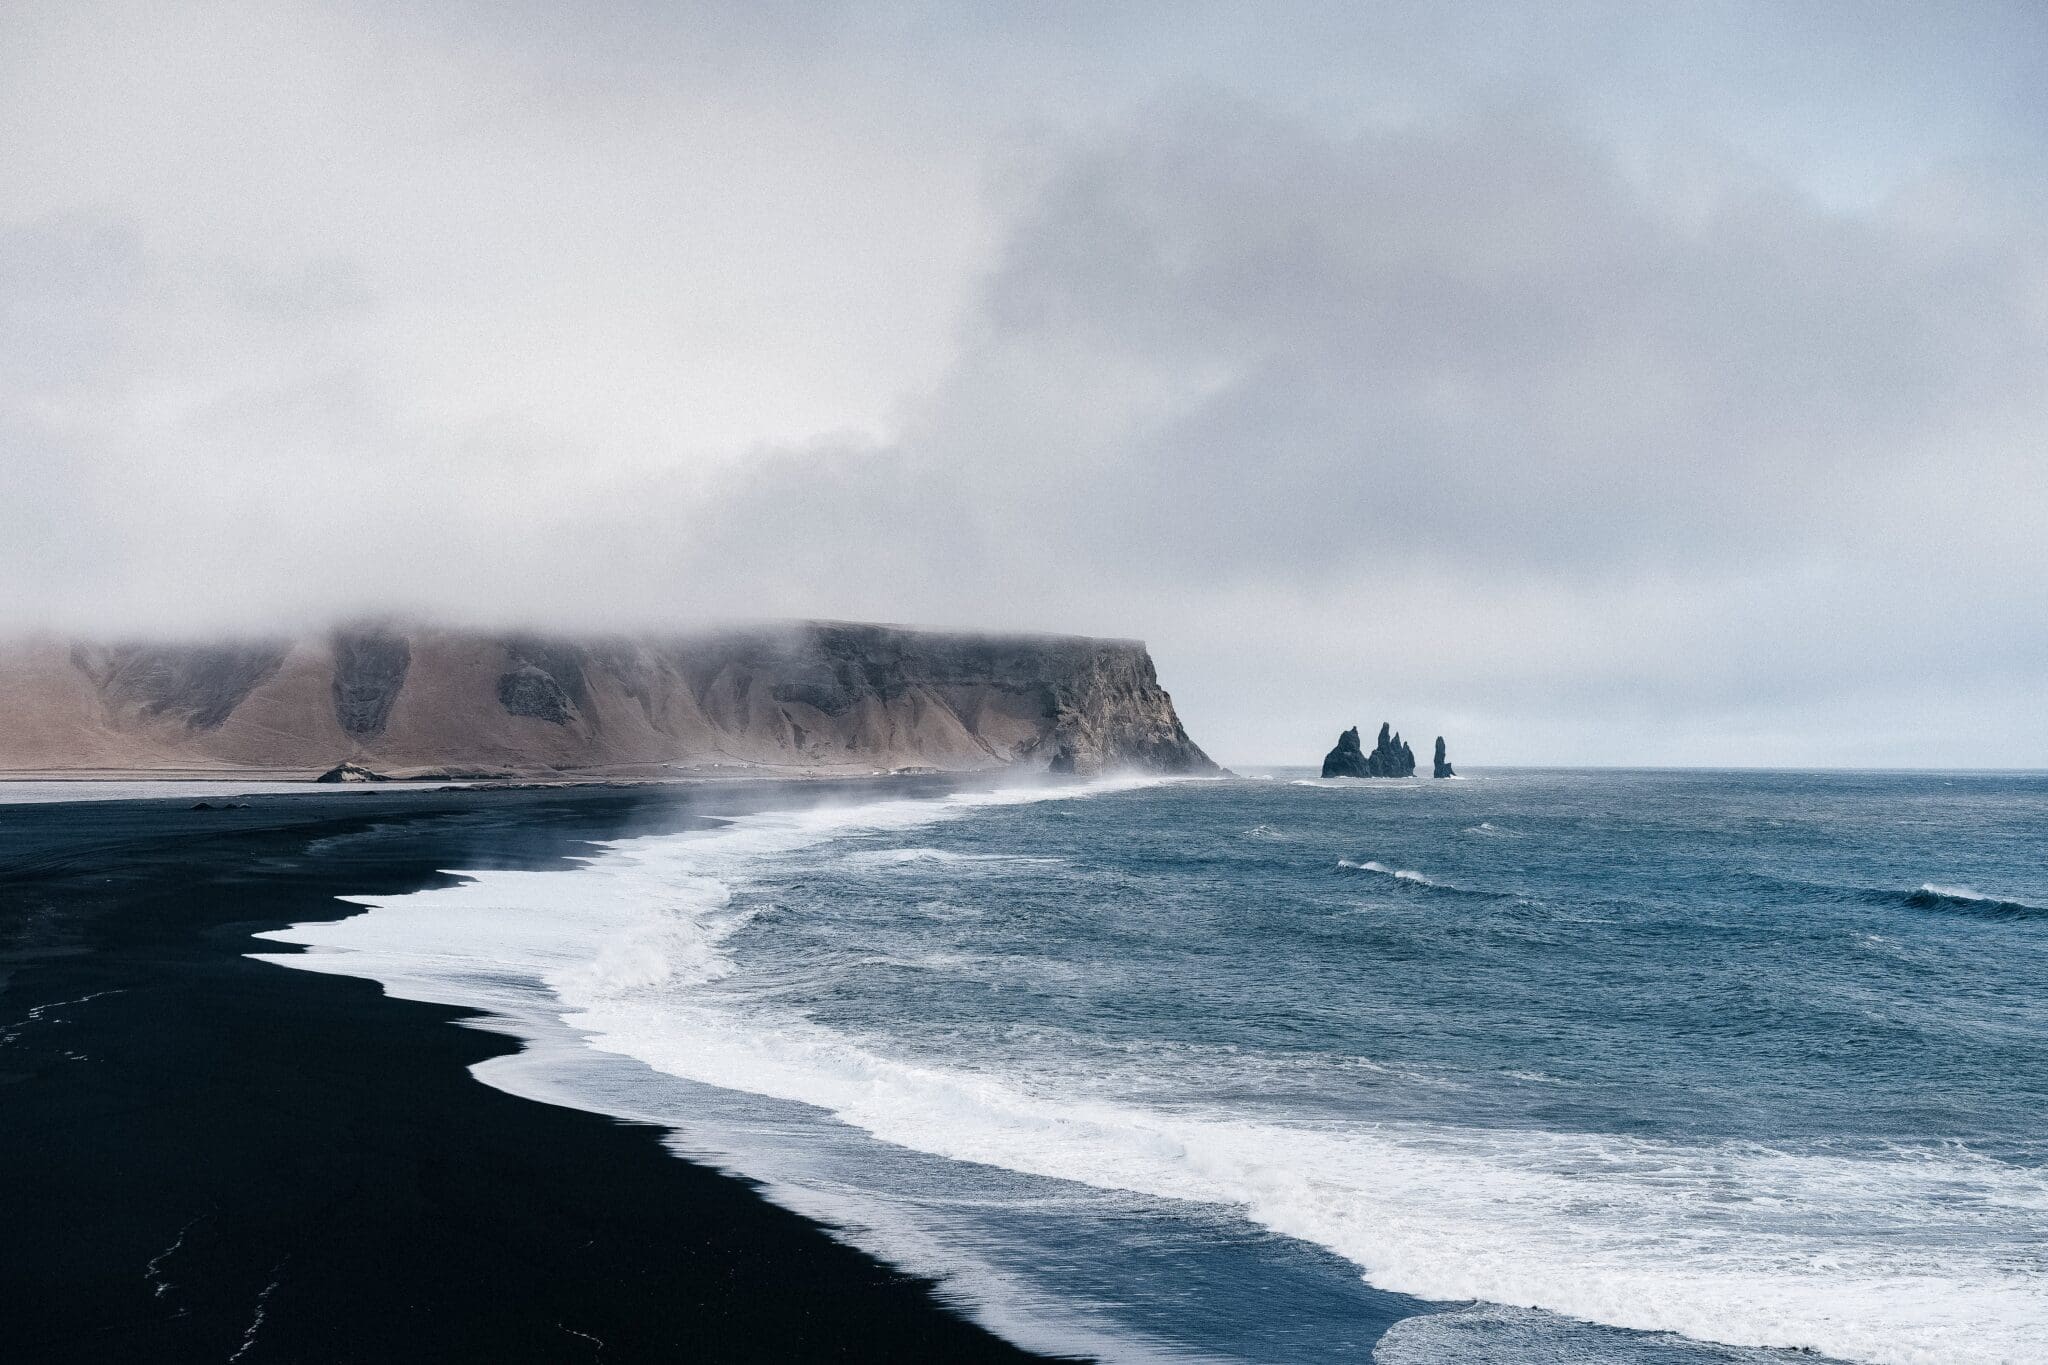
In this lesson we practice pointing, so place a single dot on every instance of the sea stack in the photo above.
(1347, 759)
(1391, 757)
(1443, 764)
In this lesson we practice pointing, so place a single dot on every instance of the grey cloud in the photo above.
(1738, 447)
(1356, 393)
(1473, 345)
(1489, 328)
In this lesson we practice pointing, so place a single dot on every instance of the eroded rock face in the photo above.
(530, 690)
(1443, 764)
(1390, 757)
(369, 671)
(808, 695)
(198, 685)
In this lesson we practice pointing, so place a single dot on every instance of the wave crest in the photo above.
(1397, 873)
(1419, 881)
(1969, 900)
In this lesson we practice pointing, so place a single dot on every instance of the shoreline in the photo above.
(213, 1158)
(632, 775)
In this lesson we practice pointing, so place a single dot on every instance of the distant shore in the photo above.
(628, 775)
(209, 1158)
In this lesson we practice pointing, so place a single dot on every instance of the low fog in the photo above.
(1583, 391)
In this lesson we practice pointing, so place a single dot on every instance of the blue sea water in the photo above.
(1529, 1066)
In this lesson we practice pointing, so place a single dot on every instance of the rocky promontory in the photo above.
(1443, 762)
(392, 699)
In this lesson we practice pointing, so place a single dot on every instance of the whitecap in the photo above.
(899, 857)
(1398, 873)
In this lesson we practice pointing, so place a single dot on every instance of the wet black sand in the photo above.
(203, 1157)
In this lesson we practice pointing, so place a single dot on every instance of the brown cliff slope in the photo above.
(808, 696)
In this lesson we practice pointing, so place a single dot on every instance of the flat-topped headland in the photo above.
(427, 701)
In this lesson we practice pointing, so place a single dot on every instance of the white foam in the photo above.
(1491, 1334)
(1973, 895)
(1866, 1259)
(898, 857)
(1390, 784)
(1400, 873)
(1903, 1258)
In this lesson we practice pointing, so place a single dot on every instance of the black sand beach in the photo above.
(204, 1157)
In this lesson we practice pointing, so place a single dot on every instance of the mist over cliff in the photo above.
(412, 698)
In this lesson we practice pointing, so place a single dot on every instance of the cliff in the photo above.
(804, 696)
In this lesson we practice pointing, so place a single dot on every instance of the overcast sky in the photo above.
(1606, 383)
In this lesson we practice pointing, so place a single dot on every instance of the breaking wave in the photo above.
(1969, 900)
(900, 857)
(1907, 1255)
(1420, 881)
(1397, 873)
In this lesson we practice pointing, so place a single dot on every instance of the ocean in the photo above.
(1528, 1066)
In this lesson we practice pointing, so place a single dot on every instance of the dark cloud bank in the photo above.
(1477, 418)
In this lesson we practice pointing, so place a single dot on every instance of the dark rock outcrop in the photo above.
(1391, 757)
(1443, 764)
(1347, 759)
(198, 686)
(350, 772)
(530, 690)
(561, 663)
(369, 671)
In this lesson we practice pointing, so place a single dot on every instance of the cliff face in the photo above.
(803, 696)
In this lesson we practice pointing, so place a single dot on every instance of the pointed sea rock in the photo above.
(1348, 758)
(1390, 757)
